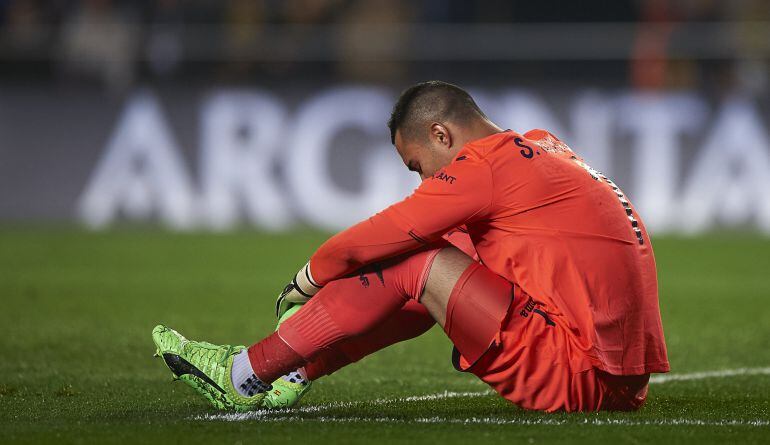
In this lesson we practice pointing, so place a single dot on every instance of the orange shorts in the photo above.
(533, 362)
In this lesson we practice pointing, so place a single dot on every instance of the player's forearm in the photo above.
(374, 239)
(371, 240)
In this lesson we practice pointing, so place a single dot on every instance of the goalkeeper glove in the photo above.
(297, 292)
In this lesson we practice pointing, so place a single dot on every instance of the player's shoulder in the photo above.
(547, 141)
(507, 145)
(499, 143)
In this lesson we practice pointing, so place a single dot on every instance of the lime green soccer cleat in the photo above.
(205, 367)
(287, 391)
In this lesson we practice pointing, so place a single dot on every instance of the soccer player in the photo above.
(536, 266)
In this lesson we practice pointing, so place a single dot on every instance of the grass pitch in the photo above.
(76, 355)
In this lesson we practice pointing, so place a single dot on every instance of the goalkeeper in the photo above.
(536, 266)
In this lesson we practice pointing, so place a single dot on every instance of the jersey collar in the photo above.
(485, 143)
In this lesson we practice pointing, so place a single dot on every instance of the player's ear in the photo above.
(440, 134)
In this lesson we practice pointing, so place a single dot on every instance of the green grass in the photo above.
(76, 356)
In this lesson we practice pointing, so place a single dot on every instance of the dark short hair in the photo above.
(432, 100)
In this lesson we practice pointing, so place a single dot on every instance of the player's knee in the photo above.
(452, 258)
(475, 310)
(448, 265)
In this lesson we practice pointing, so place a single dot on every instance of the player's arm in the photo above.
(459, 194)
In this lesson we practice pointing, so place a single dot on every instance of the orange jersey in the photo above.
(543, 219)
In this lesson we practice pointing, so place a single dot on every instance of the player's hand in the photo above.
(298, 291)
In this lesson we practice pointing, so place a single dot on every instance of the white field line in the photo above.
(276, 415)
(485, 420)
(353, 404)
(665, 378)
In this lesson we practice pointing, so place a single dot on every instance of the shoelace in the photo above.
(206, 357)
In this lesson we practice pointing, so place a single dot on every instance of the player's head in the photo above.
(430, 123)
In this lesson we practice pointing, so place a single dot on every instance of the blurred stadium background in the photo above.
(134, 133)
(268, 114)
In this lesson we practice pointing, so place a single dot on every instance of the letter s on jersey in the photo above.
(526, 151)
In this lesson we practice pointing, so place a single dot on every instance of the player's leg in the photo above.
(468, 300)
(233, 377)
(411, 321)
(353, 306)
(445, 272)
(345, 309)
(349, 311)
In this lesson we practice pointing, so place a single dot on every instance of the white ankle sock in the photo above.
(297, 376)
(244, 380)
